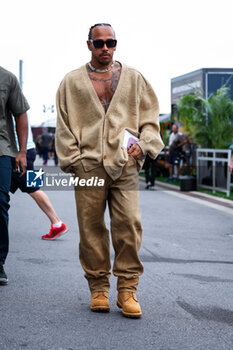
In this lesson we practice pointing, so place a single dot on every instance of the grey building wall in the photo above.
(206, 81)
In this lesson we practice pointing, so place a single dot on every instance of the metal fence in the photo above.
(213, 170)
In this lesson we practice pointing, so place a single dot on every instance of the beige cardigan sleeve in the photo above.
(150, 139)
(67, 147)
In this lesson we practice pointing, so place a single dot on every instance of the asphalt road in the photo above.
(185, 293)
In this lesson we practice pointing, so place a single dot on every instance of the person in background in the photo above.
(38, 148)
(44, 145)
(58, 227)
(150, 171)
(176, 141)
(50, 154)
(12, 103)
(53, 149)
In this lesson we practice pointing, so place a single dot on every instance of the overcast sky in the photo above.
(161, 38)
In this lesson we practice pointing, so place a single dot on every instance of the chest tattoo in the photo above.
(105, 87)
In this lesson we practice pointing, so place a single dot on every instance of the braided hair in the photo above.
(98, 25)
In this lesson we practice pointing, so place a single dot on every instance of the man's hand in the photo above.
(136, 151)
(21, 161)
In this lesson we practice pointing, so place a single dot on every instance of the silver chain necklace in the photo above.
(100, 70)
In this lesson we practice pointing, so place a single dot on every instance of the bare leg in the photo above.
(44, 203)
(170, 170)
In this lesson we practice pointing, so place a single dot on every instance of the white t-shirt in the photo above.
(173, 136)
(30, 142)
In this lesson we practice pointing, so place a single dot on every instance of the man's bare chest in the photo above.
(105, 86)
(103, 89)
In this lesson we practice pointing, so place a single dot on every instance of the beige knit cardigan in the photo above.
(85, 132)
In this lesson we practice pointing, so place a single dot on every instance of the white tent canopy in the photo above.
(164, 118)
(51, 122)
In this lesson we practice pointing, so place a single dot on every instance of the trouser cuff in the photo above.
(99, 284)
(127, 285)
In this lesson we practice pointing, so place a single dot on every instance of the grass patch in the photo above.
(217, 194)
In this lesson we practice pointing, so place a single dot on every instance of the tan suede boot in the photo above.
(129, 303)
(99, 301)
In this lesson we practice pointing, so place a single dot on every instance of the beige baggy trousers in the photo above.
(122, 196)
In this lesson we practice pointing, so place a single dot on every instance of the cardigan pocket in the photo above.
(131, 160)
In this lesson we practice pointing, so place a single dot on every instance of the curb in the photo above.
(195, 194)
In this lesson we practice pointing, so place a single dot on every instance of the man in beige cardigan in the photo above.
(97, 105)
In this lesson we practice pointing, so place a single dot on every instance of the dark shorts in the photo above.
(20, 182)
(174, 157)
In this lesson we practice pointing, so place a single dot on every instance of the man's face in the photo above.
(102, 56)
(174, 128)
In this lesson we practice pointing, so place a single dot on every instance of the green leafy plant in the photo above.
(208, 121)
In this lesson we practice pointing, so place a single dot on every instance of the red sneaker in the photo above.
(55, 232)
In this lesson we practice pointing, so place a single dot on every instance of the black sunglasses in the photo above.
(99, 43)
